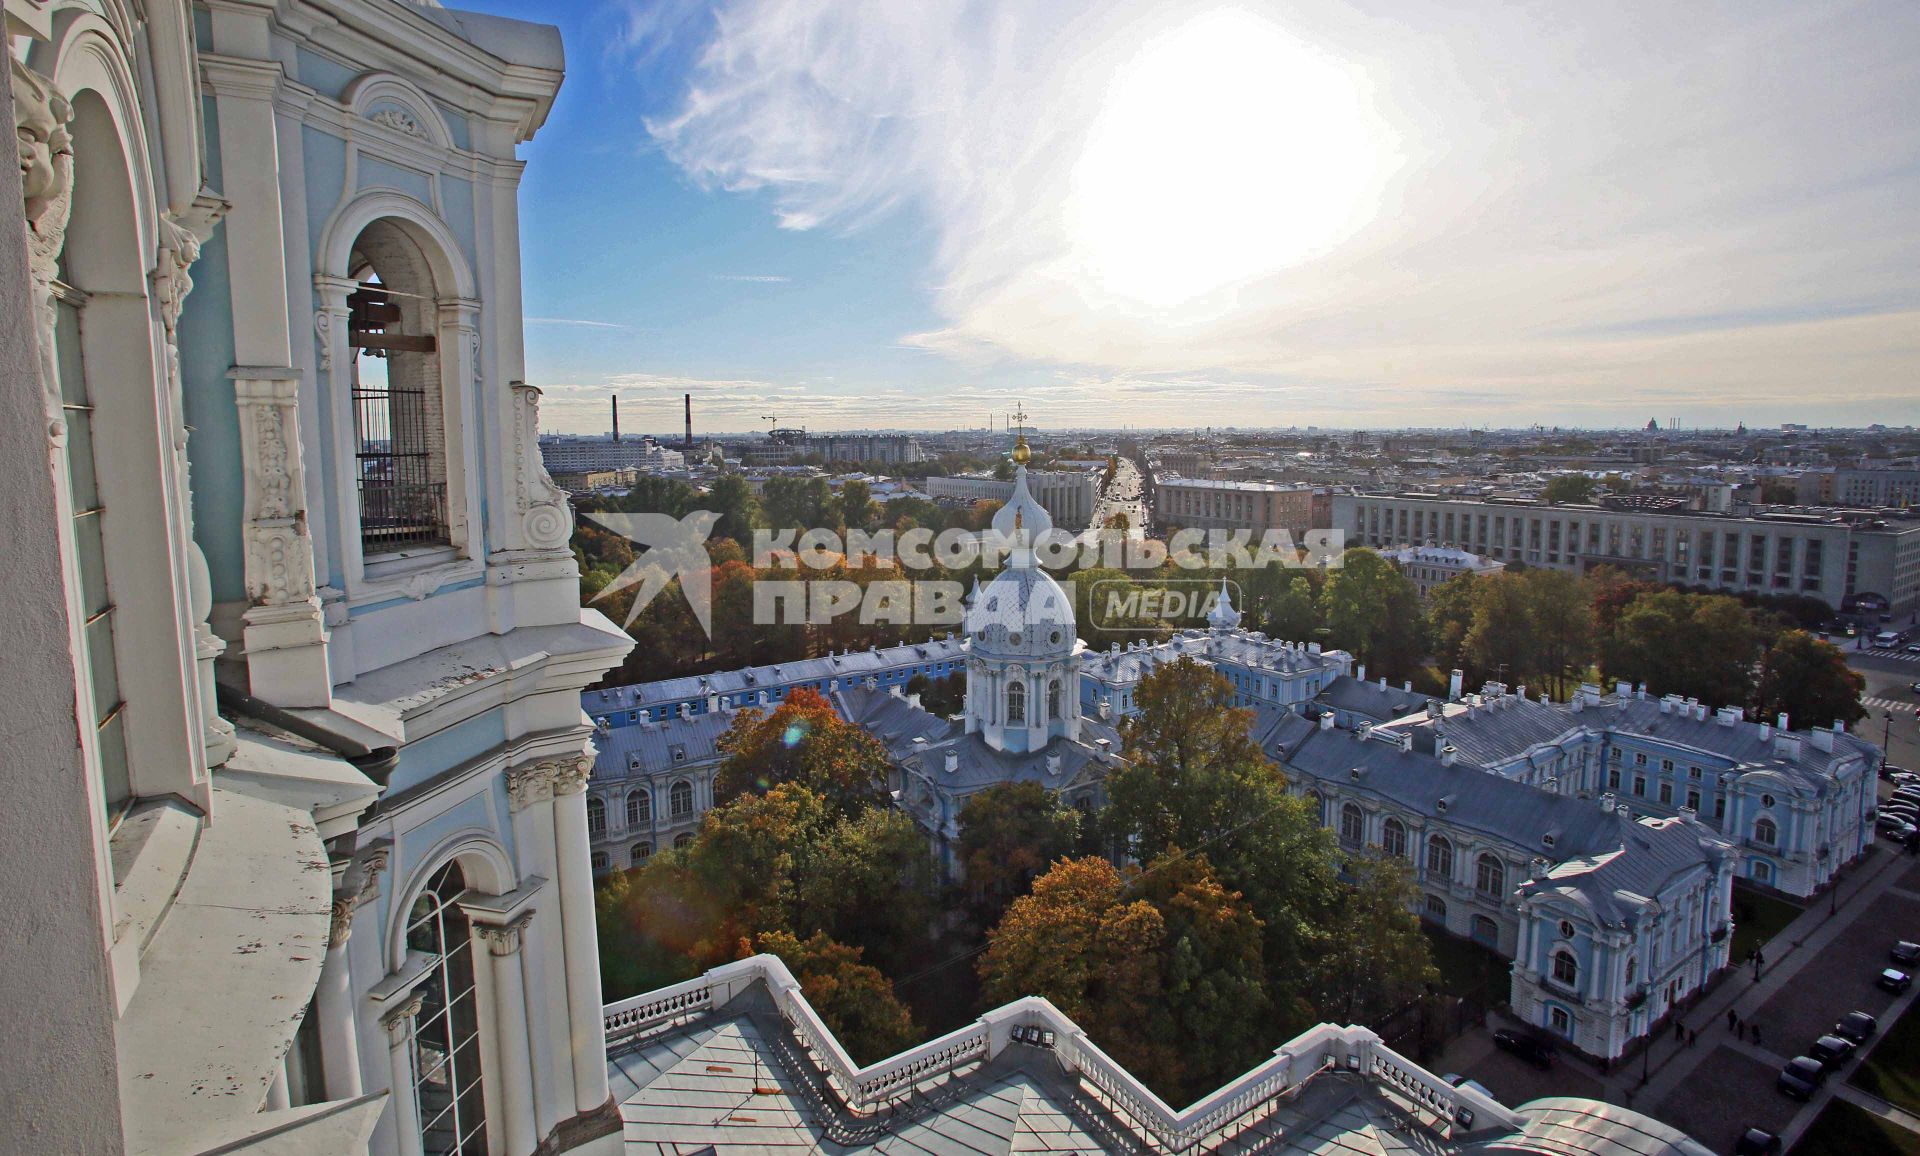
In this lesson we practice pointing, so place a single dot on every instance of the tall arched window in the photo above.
(1633, 970)
(446, 1034)
(1353, 825)
(399, 422)
(1439, 856)
(1017, 702)
(596, 817)
(639, 807)
(1490, 875)
(1053, 699)
(1764, 831)
(1393, 838)
(1566, 969)
(680, 799)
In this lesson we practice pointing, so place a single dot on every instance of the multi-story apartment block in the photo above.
(565, 455)
(1068, 496)
(1817, 554)
(1221, 505)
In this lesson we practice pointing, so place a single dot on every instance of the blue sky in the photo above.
(1335, 212)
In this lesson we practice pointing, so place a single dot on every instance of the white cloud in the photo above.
(575, 322)
(759, 278)
(1712, 202)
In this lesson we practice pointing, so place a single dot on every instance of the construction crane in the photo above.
(773, 422)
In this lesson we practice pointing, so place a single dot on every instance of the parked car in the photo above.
(1532, 1049)
(1914, 648)
(1906, 952)
(1903, 778)
(1802, 1076)
(1897, 830)
(1894, 980)
(1888, 771)
(1857, 1026)
(1757, 1142)
(1832, 1051)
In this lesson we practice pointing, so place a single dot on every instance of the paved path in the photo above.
(1878, 1107)
(1788, 953)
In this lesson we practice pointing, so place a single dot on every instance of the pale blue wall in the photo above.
(420, 761)
(213, 448)
(318, 72)
(376, 173)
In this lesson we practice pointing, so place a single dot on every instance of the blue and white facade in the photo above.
(886, 667)
(1610, 919)
(1798, 803)
(276, 267)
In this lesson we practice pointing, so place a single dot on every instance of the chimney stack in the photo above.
(688, 447)
(616, 419)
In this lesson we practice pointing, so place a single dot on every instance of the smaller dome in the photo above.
(1223, 616)
(1023, 521)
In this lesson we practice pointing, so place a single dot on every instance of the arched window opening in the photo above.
(446, 1033)
(680, 799)
(1353, 825)
(1053, 699)
(682, 839)
(399, 412)
(1765, 831)
(596, 818)
(1566, 969)
(1017, 703)
(639, 808)
(640, 853)
(1486, 931)
(1439, 856)
(1490, 876)
(1393, 838)
(1436, 909)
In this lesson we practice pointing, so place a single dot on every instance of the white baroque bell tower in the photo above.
(1023, 668)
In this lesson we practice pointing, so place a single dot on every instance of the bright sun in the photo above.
(1223, 151)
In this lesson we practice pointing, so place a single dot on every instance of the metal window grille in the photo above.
(403, 497)
(445, 1037)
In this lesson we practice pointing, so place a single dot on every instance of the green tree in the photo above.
(1569, 489)
(1809, 681)
(1561, 610)
(739, 511)
(1294, 614)
(1009, 833)
(856, 505)
(1373, 957)
(1698, 645)
(1372, 611)
(1450, 617)
(1502, 634)
(855, 999)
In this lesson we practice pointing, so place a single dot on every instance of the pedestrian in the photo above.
(1733, 1019)
(1693, 1037)
(1679, 1030)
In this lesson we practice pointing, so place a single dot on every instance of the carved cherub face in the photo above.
(46, 148)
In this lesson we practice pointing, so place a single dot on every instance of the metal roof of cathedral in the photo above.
(851, 665)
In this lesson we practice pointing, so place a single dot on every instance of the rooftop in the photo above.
(737, 1060)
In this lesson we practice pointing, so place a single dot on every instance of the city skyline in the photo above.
(1512, 220)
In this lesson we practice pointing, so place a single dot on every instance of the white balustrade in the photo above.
(1353, 1049)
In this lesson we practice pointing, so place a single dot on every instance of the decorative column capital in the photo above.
(504, 939)
(400, 1019)
(570, 775)
(545, 519)
(181, 235)
(530, 784)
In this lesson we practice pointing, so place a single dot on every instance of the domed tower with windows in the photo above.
(1023, 669)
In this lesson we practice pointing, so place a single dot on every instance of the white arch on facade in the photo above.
(484, 864)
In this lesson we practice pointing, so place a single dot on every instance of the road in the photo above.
(1123, 497)
(1889, 699)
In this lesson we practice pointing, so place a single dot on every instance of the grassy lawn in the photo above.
(1757, 918)
(1468, 970)
(1891, 1070)
(1842, 1127)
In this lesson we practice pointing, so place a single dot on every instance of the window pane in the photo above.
(86, 491)
(90, 554)
(100, 663)
(118, 784)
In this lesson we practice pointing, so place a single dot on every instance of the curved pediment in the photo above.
(398, 106)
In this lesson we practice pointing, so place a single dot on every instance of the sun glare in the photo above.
(1224, 150)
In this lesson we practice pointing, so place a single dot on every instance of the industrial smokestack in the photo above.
(688, 398)
(616, 417)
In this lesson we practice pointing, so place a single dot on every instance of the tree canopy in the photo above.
(1809, 681)
(803, 741)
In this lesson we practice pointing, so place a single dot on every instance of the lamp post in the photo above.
(1886, 735)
